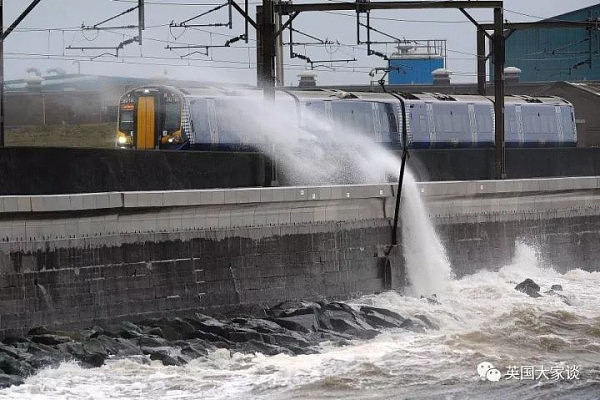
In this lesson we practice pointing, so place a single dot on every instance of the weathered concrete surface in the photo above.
(75, 260)
(480, 221)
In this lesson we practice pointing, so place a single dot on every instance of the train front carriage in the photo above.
(150, 117)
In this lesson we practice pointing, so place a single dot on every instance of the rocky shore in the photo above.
(291, 327)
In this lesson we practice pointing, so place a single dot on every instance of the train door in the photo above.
(146, 131)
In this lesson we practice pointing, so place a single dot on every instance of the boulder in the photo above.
(529, 287)
(557, 288)
(255, 346)
(163, 354)
(561, 296)
(292, 308)
(152, 341)
(13, 366)
(381, 318)
(10, 380)
(118, 346)
(299, 323)
(207, 324)
(172, 329)
(49, 339)
(91, 353)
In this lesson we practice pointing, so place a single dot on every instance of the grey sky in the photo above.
(45, 48)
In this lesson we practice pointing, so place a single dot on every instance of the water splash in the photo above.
(427, 265)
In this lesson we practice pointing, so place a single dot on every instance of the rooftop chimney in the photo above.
(512, 75)
(307, 79)
(441, 76)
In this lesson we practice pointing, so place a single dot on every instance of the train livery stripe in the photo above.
(145, 123)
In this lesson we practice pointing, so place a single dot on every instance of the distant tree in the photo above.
(34, 71)
(55, 71)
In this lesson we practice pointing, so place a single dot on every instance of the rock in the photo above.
(207, 324)
(193, 351)
(556, 287)
(172, 329)
(49, 339)
(129, 330)
(381, 318)
(154, 331)
(292, 308)
(259, 325)
(91, 353)
(286, 340)
(163, 354)
(413, 325)
(299, 323)
(562, 296)
(255, 346)
(237, 335)
(152, 341)
(529, 287)
(10, 380)
(119, 346)
(427, 321)
(13, 366)
(41, 356)
(12, 351)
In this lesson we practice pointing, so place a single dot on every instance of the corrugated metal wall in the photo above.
(557, 53)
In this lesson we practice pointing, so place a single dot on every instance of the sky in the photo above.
(42, 39)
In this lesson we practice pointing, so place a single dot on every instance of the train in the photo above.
(169, 117)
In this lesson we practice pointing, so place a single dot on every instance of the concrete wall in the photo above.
(76, 260)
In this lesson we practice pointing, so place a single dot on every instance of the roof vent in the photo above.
(512, 74)
(307, 79)
(441, 76)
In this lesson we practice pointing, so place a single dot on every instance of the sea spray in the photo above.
(427, 266)
(312, 151)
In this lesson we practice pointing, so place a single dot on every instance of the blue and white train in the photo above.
(167, 117)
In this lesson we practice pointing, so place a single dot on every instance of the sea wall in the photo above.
(81, 259)
(78, 260)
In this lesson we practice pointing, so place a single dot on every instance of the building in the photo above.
(558, 54)
(414, 61)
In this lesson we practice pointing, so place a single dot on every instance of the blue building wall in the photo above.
(413, 70)
(552, 54)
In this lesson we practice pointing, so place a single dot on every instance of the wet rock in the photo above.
(152, 341)
(556, 287)
(154, 331)
(49, 339)
(255, 346)
(413, 325)
(13, 366)
(193, 351)
(292, 308)
(91, 353)
(41, 356)
(10, 380)
(288, 341)
(12, 351)
(342, 318)
(119, 346)
(172, 329)
(129, 330)
(163, 354)
(427, 321)
(259, 325)
(381, 318)
(207, 324)
(562, 296)
(300, 323)
(529, 287)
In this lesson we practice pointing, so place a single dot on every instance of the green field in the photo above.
(85, 135)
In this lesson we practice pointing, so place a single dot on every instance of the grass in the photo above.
(84, 135)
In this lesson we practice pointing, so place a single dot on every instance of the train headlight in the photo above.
(122, 140)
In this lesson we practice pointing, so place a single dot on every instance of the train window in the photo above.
(126, 121)
(483, 119)
(314, 116)
(539, 121)
(200, 120)
(452, 119)
(172, 117)
(567, 121)
(357, 115)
